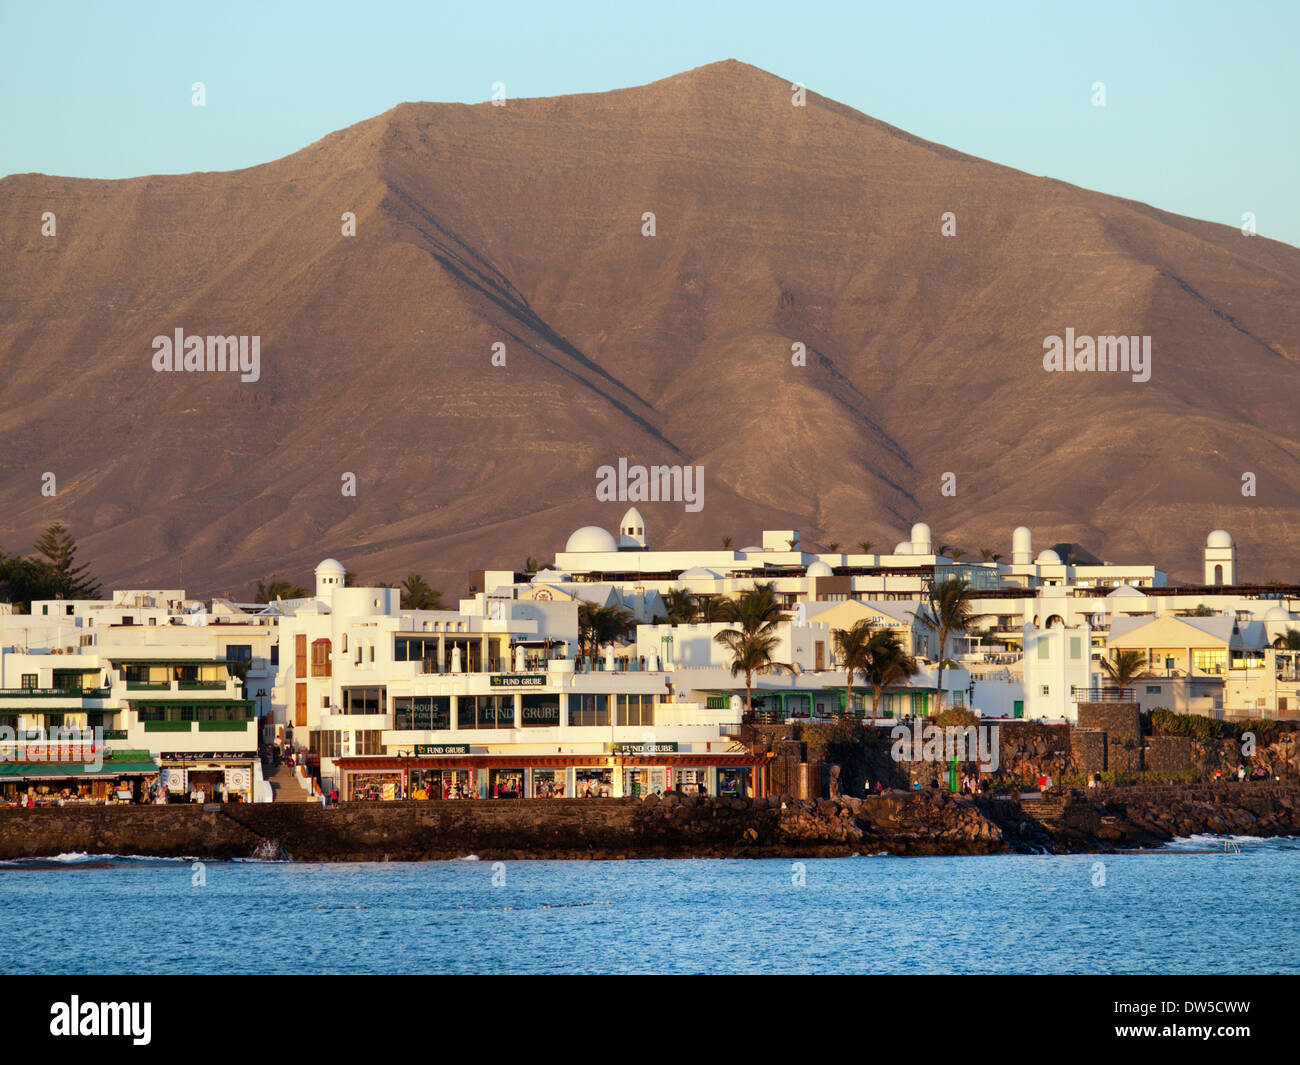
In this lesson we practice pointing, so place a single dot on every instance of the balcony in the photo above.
(148, 685)
(54, 693)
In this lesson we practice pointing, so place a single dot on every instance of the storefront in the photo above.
(72, 783)
(614, 774)
(506, 783)
(190, 780)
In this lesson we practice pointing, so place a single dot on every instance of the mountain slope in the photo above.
(522, 225)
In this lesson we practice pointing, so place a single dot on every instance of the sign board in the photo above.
(422, 749)
(518, 680)
(641, 748)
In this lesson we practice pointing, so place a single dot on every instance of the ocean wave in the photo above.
(72, 858)
(1210, 841)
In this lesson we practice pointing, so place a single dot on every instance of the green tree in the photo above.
(269, 591)
(852, 648)
(58, 549)
(1288, 641)
(680, 606)
(1124, 668)
(751, 653)
(600, 626)
(949, 612)
(865, 546)
(418, 595)
(888, 663)
(726, 543)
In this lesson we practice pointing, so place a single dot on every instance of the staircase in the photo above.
(286, 788)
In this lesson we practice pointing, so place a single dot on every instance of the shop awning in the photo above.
(548, 761)
(64, 770)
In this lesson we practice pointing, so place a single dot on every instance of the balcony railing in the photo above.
(1103, 695)
(54, 693)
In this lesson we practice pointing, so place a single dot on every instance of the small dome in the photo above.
(819, 569)
(751, 550)
(632, 519)
(903, 547)
(550, 576)
(920, 533)
(1277, 613)
(1022, 539)
(1049, 558)
(698, 573)
(1218, 538)
(1126, 591)
(591, 538)
(331, 567)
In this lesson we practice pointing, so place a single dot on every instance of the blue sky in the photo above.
(1202, 110)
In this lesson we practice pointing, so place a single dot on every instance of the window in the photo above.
(588, 709)
(29, 680)
(635, 710)
(363, 700)
(1045, 691)
(300, 655)
(1044, 648)
(415, 649)
(239, 652)
(1153, 689)
(300, 706)
(1076, 648)
(320, 658)
(716, 702)
(431, 712)
(485, 711)
(540, 711)
(275, 653)
(1209, 661)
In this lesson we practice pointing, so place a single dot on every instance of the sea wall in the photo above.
(911, 823)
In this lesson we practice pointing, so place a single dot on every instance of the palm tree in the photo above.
(417, 595)
(1288, 641)
(833, 546)
(865, 546)
(531, 564)
(853, 649)
(754, 607)
(713, 608)
(269, 591)
(680, 605)
(751, 652)
(889, 664)
(1124, 668)
(989, 554)
(599, 626)
(950, 611)
(726, 542)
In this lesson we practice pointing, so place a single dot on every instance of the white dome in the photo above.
(1022, 546)
(1218, 538)
(632, 518)
(751, 550)
(1277, 613)
(331, 567)
(921, 533)
(903, 547)
(1049, 558)
(698, 573)
(819, 569)
(591, 538)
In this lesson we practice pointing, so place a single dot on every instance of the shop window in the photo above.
(588, 710)
(635, 710)
(422, 712)
(485, 711)
(540, 711)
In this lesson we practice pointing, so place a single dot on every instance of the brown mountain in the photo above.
(522, 224)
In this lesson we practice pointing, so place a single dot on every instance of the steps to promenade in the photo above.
(285, 786)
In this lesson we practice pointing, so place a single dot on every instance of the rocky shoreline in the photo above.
(899, 823)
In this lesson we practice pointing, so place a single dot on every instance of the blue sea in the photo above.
(1189, 908)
